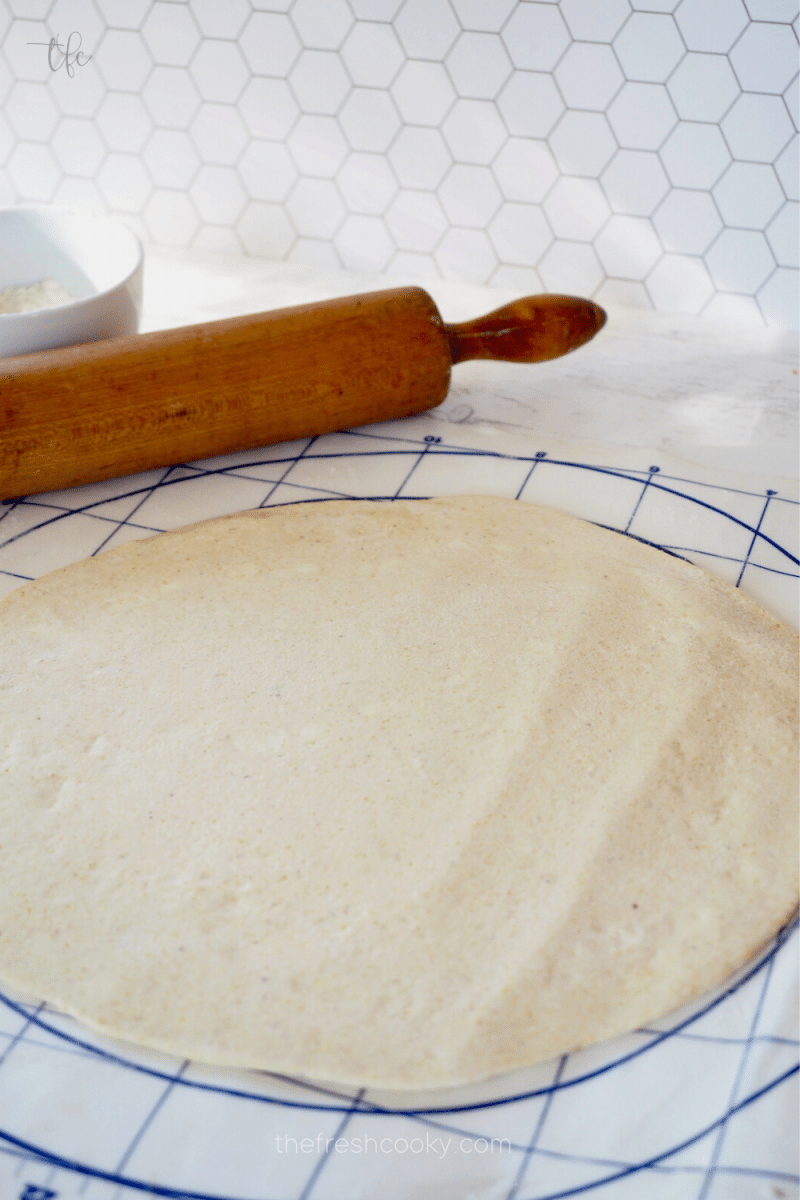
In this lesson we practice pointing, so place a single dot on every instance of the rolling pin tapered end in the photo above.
(529, 330)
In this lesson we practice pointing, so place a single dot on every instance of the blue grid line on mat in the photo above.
(751, 547)
(430, 442)
(684, 550)
(425, 445)
(326, 1156)
(745, 1053)
(148, 1120)
(651, 471)
(326, 493)
(615, 1170)
(530, 1149)
(657, 1162)
(540, 454)
(292, 464)
(146, 493)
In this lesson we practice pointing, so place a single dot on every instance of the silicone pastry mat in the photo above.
(700, 1105)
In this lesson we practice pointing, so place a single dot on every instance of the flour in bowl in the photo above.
(46, 293)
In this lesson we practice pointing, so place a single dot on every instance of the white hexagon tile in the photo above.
(643, 151)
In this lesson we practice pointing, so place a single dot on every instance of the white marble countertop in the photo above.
(718, 396)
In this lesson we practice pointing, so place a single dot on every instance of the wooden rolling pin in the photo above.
(84, 413)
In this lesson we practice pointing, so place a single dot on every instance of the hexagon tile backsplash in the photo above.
(639, 151)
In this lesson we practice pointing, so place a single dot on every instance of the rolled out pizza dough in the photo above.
(407, 793)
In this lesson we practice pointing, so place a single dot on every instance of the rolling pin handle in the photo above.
(532, 329)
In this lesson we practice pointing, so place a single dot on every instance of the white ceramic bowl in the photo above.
(97, 259)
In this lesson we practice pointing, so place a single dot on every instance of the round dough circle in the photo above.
(406, 794)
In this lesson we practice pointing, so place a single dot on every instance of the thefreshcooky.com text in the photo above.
(439, 1146)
